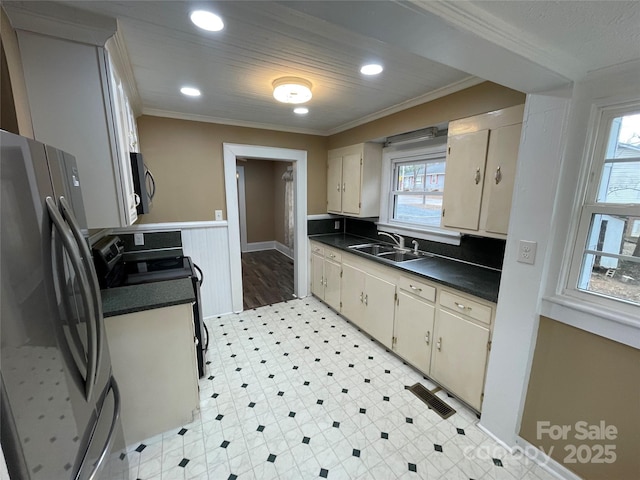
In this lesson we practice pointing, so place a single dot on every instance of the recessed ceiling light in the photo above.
(207, 20)
(371, 69)
(292, 90)
(190, 91)
(301, 110)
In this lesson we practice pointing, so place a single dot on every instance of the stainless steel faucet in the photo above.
(399, 241)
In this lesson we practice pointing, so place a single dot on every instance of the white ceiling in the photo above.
(428, 48)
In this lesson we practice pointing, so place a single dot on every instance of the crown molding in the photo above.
(61, 21)
(477, 21)
(117, 48)
(155, 112)
(427, 97)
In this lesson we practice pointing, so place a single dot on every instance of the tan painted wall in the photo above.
(187, 162)
(481, 98)
(16, 74)
(578, 376)
(259, 187)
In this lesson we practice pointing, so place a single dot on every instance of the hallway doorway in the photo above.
(267, 230)
(298, 159)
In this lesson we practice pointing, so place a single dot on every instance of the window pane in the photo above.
(620, 179)
(420, 209)
(624, 137)
(611, 275)
(420, 177)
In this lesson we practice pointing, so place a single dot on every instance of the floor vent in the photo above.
(432, 401)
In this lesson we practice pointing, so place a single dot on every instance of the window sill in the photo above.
(594, 318)
(435, 235)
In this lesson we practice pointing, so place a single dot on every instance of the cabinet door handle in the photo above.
(361, 297)
(439, 344)
(498, 176)
(366, 299)
(415, 289)
(427, 337)
(332, 255)
(477, 177)
(461, 306)
(338, 187)
(344, 187)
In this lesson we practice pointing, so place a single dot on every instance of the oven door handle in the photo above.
(76, 262)
(67, 214)
(201, 277)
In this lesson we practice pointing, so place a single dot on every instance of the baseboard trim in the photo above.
(260, 246)
(282, 248)
(544, 461)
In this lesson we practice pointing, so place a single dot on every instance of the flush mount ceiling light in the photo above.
(292, 90)
(301, 110)
(371, 69)
(207, 21)
(190, 91)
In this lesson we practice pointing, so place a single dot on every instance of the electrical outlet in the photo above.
(138, 238)
(336, 225)
(218, 215)
(527, 251)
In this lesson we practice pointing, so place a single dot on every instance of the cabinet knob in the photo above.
(498, 176)
(478, 176)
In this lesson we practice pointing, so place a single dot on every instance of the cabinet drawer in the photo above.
(317, 249)
(465, 306)
(417, 288)
(334, 255)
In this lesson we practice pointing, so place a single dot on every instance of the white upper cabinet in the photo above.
(353, 180)
(78, 105)
(482, 154)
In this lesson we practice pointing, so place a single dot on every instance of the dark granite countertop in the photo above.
(473, 279)
(136, 298)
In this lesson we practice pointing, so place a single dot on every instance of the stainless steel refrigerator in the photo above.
(59, 402)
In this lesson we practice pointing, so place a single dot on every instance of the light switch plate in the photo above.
(138, 238)
(218, 215)
(336, 225)
(527, 251)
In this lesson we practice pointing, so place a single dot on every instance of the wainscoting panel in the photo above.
(207, 243)
(209, 249)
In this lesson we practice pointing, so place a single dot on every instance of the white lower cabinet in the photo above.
(444, 333)
(325, 274)
(413, 330)
(368, 301)
(460, 356)
(147, 349)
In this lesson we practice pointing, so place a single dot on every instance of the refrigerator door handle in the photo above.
(67, 214)
(72, 249)
(112, 430)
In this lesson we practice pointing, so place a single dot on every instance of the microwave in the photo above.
(144, 185)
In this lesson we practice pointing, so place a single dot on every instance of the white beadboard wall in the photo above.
(207, 243)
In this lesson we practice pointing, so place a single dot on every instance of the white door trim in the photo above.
(242, 208)
(299, 159)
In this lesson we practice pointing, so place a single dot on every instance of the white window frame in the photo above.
(393, 155)
(600, 125)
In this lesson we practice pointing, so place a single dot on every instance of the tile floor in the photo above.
(294, 391)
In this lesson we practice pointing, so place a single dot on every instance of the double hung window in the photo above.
(606, 259)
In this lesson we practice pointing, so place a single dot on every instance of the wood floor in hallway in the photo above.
(267, 278)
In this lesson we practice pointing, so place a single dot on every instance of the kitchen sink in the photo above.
(399, 256)
(373, 248)
(385, 251)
